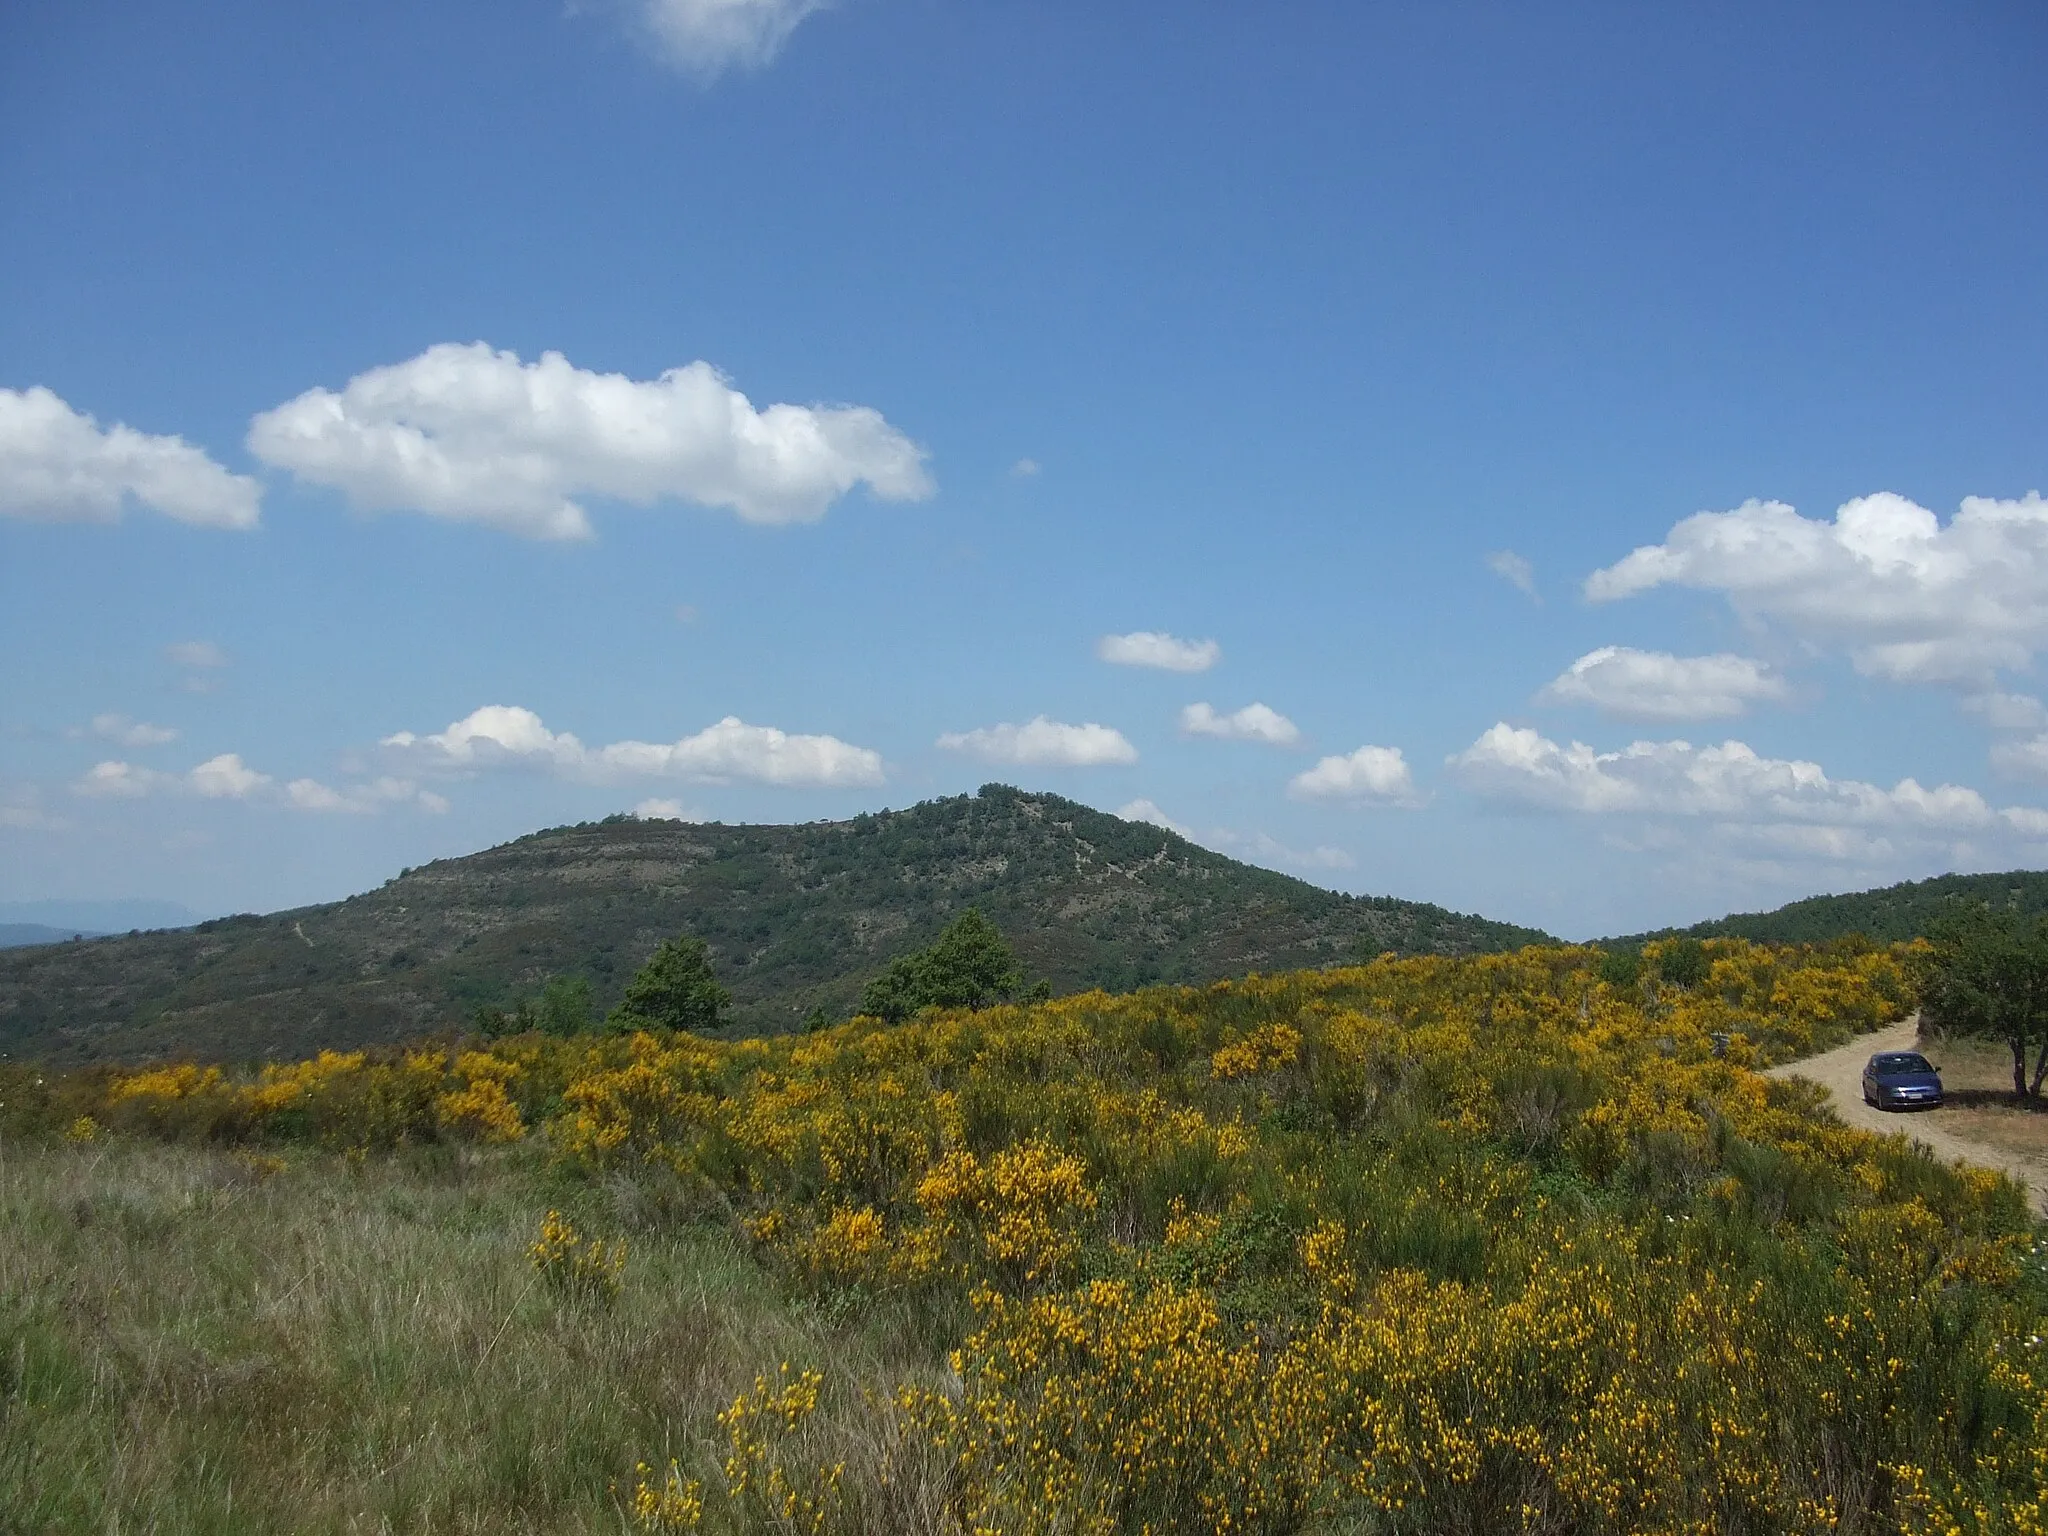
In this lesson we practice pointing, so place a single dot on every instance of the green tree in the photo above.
(566, 1006)
(1683, 962)
(1621, 967)
(674, 990)
(969, 965)
(1985, 973)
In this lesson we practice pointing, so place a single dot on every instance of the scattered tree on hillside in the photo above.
(969, 965)
(1985, 972)
(564, 1007)
(1621, 967)
(1683, 962)
(673, 990)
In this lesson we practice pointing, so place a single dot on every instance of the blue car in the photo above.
(1901, 1080)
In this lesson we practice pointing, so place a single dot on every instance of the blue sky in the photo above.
(908, 358)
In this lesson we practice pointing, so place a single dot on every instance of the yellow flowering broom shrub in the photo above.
(1485, 1244)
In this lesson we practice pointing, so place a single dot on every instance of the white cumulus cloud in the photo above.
(1730, 783)
(227, 777)
(1907, 597)
(1146, 648)
(123, 732)
(1255, 722)
(476, 435)
(1044, 743)
(59, 465)
(1655, 685)
(1145, 811)
(121, 781)
(503, 735)
(363, 799)
(1369, 776)
(705, 38)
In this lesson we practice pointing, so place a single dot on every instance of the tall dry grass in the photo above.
(201, 1341)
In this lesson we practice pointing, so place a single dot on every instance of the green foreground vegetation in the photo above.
(196, 1339)
(1507, 1243)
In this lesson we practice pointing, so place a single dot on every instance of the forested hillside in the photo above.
(796, 917)
(1891, 915)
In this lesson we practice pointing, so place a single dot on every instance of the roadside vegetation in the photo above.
(1508, 1243)
(1984, 975)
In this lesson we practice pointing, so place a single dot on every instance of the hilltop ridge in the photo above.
(796, 917)
(1890, 914)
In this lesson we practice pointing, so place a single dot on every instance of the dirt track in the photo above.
(1840, 1071)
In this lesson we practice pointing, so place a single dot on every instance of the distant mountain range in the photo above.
(15, 935)
(796, 917)
(1890, 915)
(96, 917)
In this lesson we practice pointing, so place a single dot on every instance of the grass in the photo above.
(1976, 1078)
(195, 1341)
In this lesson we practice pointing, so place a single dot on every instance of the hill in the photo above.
(1891, 915)
(797, 917)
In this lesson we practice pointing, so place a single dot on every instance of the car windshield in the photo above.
(1900, 1061)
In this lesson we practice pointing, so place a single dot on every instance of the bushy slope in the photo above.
(796, 918)
(1416, 1247)
(1890, 916)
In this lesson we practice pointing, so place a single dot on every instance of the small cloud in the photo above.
(1369, 776)
(686, 613)
(124, 732)
(472, 434)
(120, 781)
(1255, 722)
(58, 465)
(1146, 811)
(2022, 759)
(196, 653)
(226, 777)
(1655, 685)
(1322, 856)
(505, 735)
(1260, 848)
(664, 810)
(1515, 570)
(363, 799)
(705, 38)
(1024, 469)
(22, 811)
(1044, 743)
(1731, 783)
(2007, 711)
(1168, 653)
